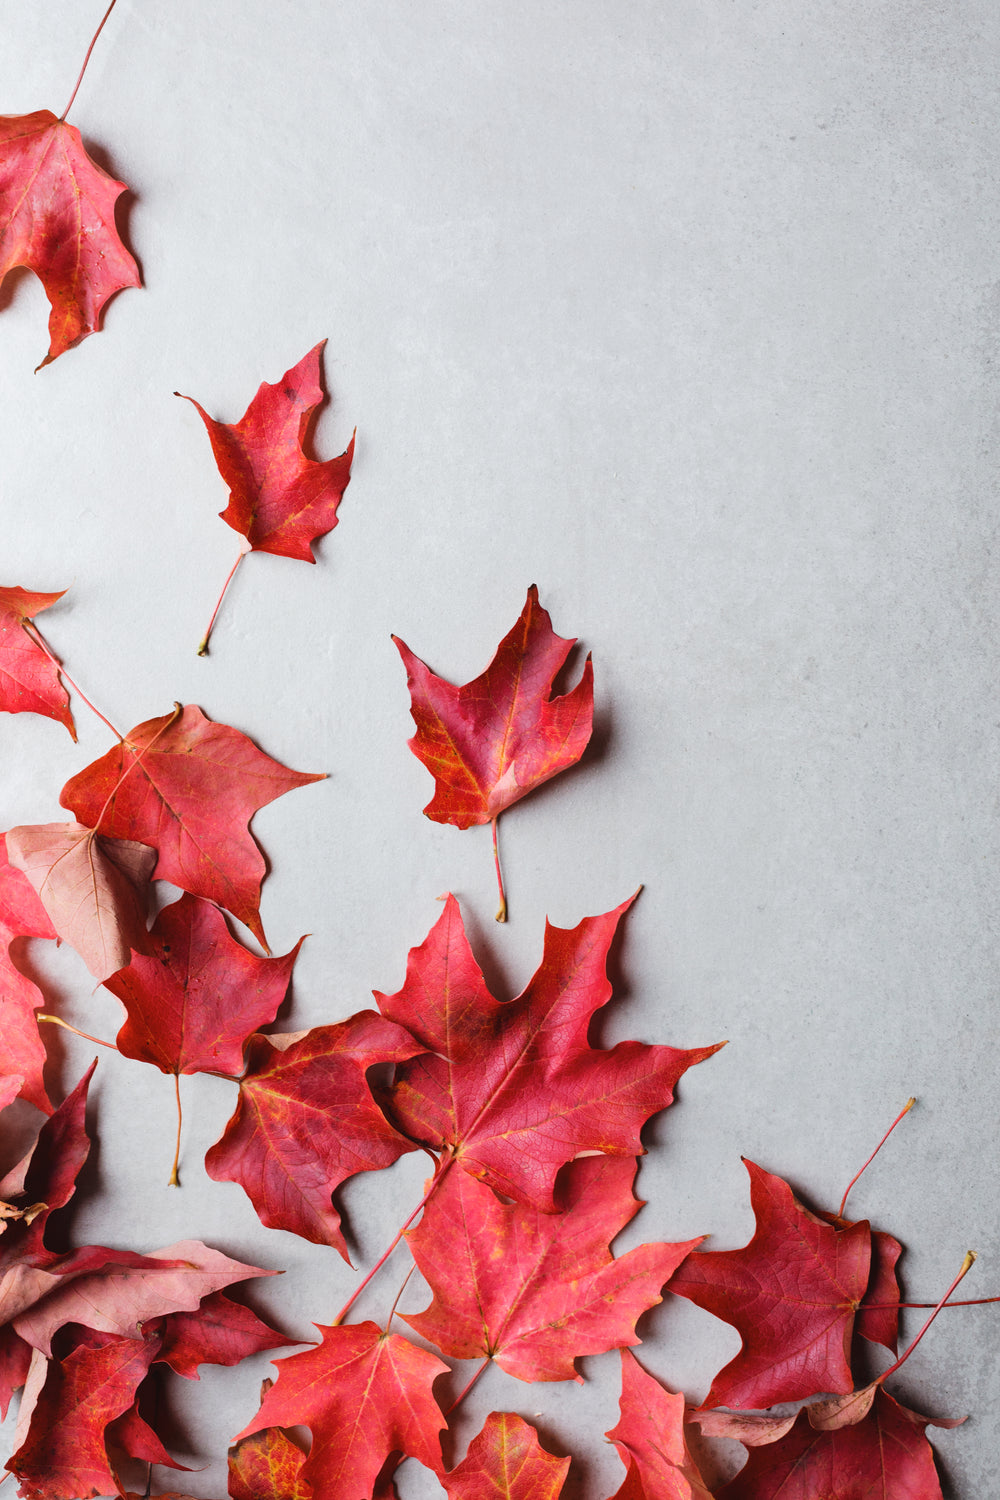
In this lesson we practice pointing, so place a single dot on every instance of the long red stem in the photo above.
(966, 1267)
(502, 910)
(174, 1179)
(55, 1021)
(467, 1388)
(203, 647)
(33, 633)
(435, 1181)
(904, 1111)
(86, 60)
(968, 1302)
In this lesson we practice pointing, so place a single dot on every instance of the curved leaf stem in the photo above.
(174, 1179)
(442, 1168)
(33, 633)
(392, 1310)
(55, 1021)
(467, 1388)
(203, 647)
(502, 909)
(966, 1266)
(904, 1111)
(86, 60)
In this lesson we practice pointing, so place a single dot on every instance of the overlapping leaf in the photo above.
(651, 1441)
(306, 1121)
(512, 1088)
(363, 1394)
(267, 1466)
(22, 915)
(532, 1290)
(505, 1461)
(29, 679)
(191, 797)
(57, 217)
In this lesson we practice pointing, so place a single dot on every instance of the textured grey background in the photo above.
(688, 313)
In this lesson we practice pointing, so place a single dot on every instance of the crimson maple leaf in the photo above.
(198, 994)
(491, 741)
(792, 1293)
(532, 1290)
(191, 797)
(651, 1442)
(506, 1461)
(512, 1089)
(218, 1332)
(22, 915)
(363, 1394)
(57, 217)
(29, 678)
(306, 1121)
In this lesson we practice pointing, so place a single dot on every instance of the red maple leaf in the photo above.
(364, 1394)
(651, 1442)
(512, 1089)
(532, 1290)
(792, 1293)
(491, 741)
(267, 1466)
(198, 994)
(217, 1332)
(191, 797)
(505, 1461)
(22, 915)
(306, 1121)
(57, 217)
(29, 678)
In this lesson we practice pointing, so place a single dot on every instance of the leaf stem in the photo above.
(467, 1388)
(392, 1310)
(502, 909)
(33, 633)
(86, 60)
(442, 1168)
(203, 647)
(174, 1179)
(904, 1111)
(966, 1267)
(968, 1302)
(55, 1021)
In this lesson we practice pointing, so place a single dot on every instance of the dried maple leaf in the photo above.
(512, 1089)
(217, 1332)
(306, 1121)
(792, 1293)
(191, 796)
(363, 1394)
(57, 217)
(267, 1466)
(532, 1290)
(22, 915)
(197, 995)
(491, 741)
(92, 888)
(279, 499)
(29, 678)
(505, 1461)
(651, 1442)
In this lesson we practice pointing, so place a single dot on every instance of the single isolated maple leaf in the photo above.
(190, 795)
(279, 499)
(363, 1394)
(512, 1089)
(22, 915)
(651, 1441)
(506, 1461)
(533, 1290)
(491, 741)
(306, 1121)
(29, 677)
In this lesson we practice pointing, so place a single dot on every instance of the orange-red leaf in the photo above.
(363, 1394)
(198, 994)
(267, 1466)
(21, 1050)
(513, 1087)
(792, 1293)
(505, 1461)
(488, 743)
(306, 1121)
(651, 1442)
(279, 499)
(533, 1290)
(29, 680)
(191, 797)
(57, 217)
